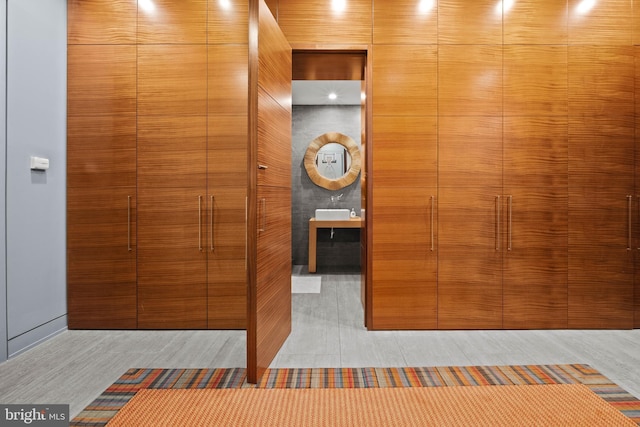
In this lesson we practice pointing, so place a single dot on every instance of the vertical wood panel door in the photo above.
(269, 221)
(101, 185)
(600, 257)
(405, 248)
(536, 235)
(470, 223)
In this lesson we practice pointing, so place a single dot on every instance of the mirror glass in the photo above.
(332, 161)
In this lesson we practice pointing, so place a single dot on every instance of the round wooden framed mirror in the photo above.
(333, 161)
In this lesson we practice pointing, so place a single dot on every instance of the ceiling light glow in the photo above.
(338, 5)
(333, 96)
(425, 6)
(147, 5)
(225, 4)
(585, 6)
(504, 6)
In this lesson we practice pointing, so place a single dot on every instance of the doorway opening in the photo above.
(328, 108)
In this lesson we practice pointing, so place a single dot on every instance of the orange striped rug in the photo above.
(508, 406)
(130, 392)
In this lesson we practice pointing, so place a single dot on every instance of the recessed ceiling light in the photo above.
(338, 5)
(147, 5)
(585, 6)
(333, 96)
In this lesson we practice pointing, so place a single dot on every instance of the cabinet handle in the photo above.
(200, 223)
(211, 229)
(510, 221)
(129, 223)
(629, 208)
(432, 214)
(263, 167)
(263, 202)
(497, 232)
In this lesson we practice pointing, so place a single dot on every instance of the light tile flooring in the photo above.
(76, 366)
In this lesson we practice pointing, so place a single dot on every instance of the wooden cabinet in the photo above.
(157, 164)
(101, 187)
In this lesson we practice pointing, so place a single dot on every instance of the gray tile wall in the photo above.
(342, 252)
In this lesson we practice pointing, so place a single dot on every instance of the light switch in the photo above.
(39, 163)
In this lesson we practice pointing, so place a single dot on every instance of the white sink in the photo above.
(332, 214)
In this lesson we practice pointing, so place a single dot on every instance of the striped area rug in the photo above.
(107, 405)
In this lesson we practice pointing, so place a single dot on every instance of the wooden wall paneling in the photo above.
(228, 22)
(535, 262)
(462, 22)
(600, 179)
(470, 257)
(172, 22)
(530, 22)
(101, 194)
(636, 213)
(470, 83)
(636, 24)
(172, 289)
(601, 23)
(405, 22)
(404, 247)
(535, 81)
(172, 80)
(101, 80)
(329, 65)
(226, 226)
(269, 198)
(228, 80)
(469, 151)
(405, 80)
(316, 21)
(101, 22)
(601, 80)
(404, 272)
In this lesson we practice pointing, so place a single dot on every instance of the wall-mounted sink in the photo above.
(332, 214)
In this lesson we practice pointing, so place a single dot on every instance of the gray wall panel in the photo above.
(3, 170)
(36, 126)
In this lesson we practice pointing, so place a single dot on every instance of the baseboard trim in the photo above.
(23, 342)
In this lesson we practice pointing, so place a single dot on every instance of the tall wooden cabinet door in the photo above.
(470, 223)
(404, 246)
(101, 186)
(600, 256)
(535, 203)
(172, 290)
(226, 222)
(269, 192)
(637, 189)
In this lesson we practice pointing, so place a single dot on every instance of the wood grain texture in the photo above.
(404, 278)
(101, 271)
(227, 139)
(607, 23)
(470, 151)
(171, 22)
(228, 22)
(535, 152)
(469, 258)
(101, 80)
(601, 80)
(536, 22)
(329, 65)
(535, 81)
(471, 81)
(226, 294)
(462, 22)
(600, 266)
(405, 151)
(405, 22)
(636, 213)
(101, 22)
(101, 151)
(405, 80)
(274, 133)
(172, 270)
(227, 80)
(536, 261)
(269, 207)
(314, 21)
(171, 153)
(172, 80)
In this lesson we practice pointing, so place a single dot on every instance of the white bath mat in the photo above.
(305, 284)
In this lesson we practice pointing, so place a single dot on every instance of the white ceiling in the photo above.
(316, 92)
